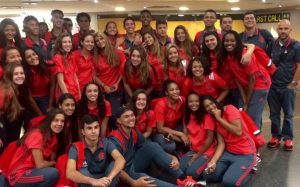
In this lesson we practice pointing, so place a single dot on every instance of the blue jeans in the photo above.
(232, 169)
(256, 106)
(38, 178)
(168, 145)
(115, 99)
(196, 168)
(42, 103)
(282, 98)
(152, 152)
(86, 172)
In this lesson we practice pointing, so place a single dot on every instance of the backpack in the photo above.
(264, 60)
(6, 157)
(119, 136)
(61, 165)
(254, 132)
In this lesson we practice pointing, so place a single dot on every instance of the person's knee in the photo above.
(52, 175)
(228, 182)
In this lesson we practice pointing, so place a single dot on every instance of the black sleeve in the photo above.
(269, 41)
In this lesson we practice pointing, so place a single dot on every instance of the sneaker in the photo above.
(288, 145)
(274, 143)
(257, 162)
(189, 182)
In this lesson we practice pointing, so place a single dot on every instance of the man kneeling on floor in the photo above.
(97, 169)
(140, 153)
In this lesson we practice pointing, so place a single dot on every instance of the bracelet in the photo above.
(295, 82)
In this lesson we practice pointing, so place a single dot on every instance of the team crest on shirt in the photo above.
(101, 155)
(243, 167)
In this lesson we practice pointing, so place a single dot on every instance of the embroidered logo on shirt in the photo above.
(84, 165)
(243, 167)
(101, 155)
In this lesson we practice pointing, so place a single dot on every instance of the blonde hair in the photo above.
(155, 49)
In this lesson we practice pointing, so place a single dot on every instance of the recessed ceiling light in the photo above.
(180, 15)
(183, 8)
(145, 7)
(235, 8)
(96, 1)
(233, 1)
(119, 8)
(263, 1)
(279, 6)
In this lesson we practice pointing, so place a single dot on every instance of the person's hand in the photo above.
(217, 113)
(185, 139)
(211, 167)
(292, 85)
(102, 182)
(144, 182)
(107, 89)
(246, 58)
(119, 41)
(174, 163)
(192, 160)
(114, 88)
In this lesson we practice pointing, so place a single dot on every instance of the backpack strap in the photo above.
(119, 136)
(80, 150)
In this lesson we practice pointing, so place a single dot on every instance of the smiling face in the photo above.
(111, 29)
(31, 57)
(68, 106)
(10, 32)
(229, 42)
(249, 21)
(58, 20)
(180, 35)
(13, 56)
(136, 59)
(33, 27)
(141, 101)
(100, 42)
(92, 93)
(129, 26)
(57, 124)
(127, 119)
(145, 19)
(193, 102)
(209, 106)
(148, 39)
(209, 19)
(66, 44)
(173, 91)
(197, 69)
(88, 43)
(173, 55)
(18, 75)
(211, 42)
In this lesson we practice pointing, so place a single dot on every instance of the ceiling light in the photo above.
(263, 1)
(183, 8)
(180, 15)
(235, 8)
(279, 6)
(119, 8)
(233, 1)
(96, 1)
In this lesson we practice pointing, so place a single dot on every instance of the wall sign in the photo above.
(272, 18)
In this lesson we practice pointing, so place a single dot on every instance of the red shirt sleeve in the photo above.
(152, 119)
(232, 113)
(197, 38)
(220, 83)
(108, 109)
(160, 110)
(59, 64)
(209, 123)
(186, 87)
(34, 140)
(252, 67)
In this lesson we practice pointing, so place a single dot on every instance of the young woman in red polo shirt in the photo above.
(203, 81)
(187, 48)
(111, 31)
(169, 112)
(138, 73)
(235, 154)
(145, 118)
(65, 67)
(155, 57)
(174, 68)
(252, 79)
(39, 79)
(9, 55)
(84, 59)
(201, 132)
(9, 34)
(93, 102)
(109, 62)
(33, 163)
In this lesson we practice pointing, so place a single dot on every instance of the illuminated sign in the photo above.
(272, 18)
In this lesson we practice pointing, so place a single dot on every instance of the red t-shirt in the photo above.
(69, 73)
(214, 61)
(211, 85)
(23, 159)
(243, 144)
(176, 75)
(159, 70)
(76, 38)
(168, 115)
(242, 72)
(106, 73)
(198, 40)
(1, 72)
(85, 68)
(94, 111)
(227, 76)
(39, 84)
(145, 120)
(197, 134)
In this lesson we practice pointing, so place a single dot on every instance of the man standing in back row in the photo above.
(282, 94)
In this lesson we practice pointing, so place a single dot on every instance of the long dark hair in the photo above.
(58, 46)
(133, 99)
(198, 114)
(45, 126)
(3, 41)
(205, 64)
(4, 54)
(83, 102)
(217, 50)
(202, 108)
(238, 51)
(188, 44)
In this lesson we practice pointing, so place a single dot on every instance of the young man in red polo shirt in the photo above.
(84, 21)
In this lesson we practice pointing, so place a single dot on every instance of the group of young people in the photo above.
(123, 106)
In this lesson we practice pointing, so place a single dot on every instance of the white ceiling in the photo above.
(16, 7)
